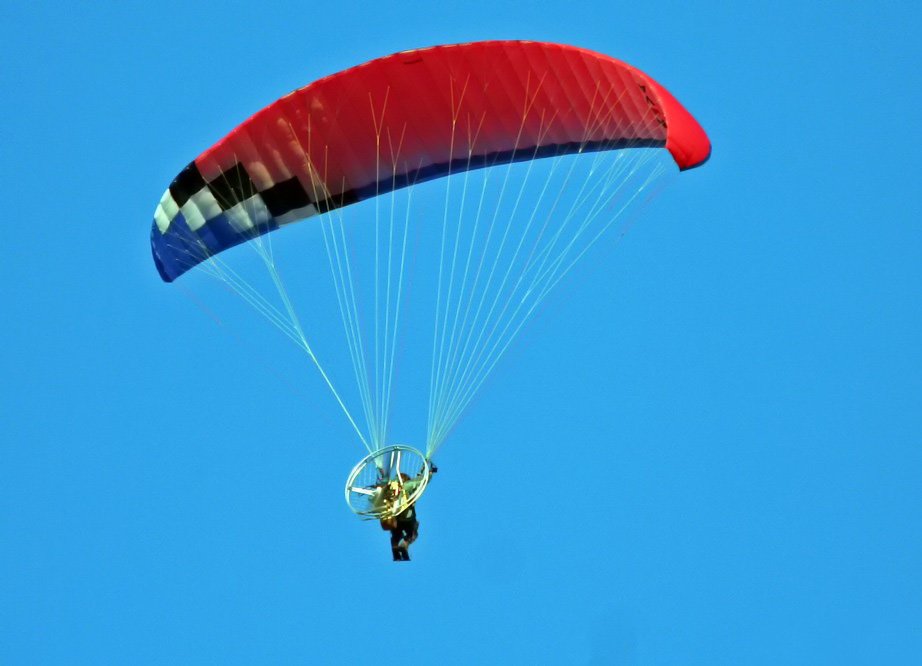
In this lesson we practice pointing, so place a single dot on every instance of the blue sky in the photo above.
(736, 399)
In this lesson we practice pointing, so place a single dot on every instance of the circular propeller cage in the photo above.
(387, 482)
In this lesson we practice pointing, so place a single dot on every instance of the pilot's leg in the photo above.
(395, 544)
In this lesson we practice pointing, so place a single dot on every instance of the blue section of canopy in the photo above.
(180, 248)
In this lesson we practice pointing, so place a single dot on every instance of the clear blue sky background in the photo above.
(736, 398)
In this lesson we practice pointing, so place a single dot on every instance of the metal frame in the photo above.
(357, 493)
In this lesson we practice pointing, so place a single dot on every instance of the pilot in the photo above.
(404, 525)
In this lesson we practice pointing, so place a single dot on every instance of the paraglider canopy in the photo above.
(406, 118)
